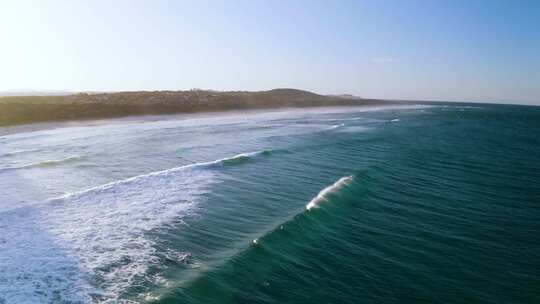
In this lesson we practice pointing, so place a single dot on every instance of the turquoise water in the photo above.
(396, 204)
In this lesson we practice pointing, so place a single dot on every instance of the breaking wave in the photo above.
(322, 196)
(92, 245)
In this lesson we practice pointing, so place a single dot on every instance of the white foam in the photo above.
(394, 120)
(322, 195)
(335, 127)
(95, 241)
(164, 173)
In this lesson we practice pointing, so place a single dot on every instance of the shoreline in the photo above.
(16, 110)
(89, 122)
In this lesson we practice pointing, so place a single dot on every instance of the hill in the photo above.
(29, 109)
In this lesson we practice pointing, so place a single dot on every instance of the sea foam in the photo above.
(330, 189)
(94, 244)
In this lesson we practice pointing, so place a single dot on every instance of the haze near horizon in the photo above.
(478, 51)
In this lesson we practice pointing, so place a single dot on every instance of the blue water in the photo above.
(395, 204)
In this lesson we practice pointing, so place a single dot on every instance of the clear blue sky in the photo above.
(443, 50)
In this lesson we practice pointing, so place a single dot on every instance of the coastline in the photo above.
(18, 110)
(88, 122)
(32, 113)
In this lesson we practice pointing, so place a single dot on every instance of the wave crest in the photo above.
(326, 191)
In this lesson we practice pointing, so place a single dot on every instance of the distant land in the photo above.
(58, 106)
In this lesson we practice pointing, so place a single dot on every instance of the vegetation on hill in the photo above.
(28, 109)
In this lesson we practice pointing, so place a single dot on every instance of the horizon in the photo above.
(439, 51)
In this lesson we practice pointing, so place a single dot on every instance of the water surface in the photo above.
(407, 203)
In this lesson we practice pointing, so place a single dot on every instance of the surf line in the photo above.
(201, 165)
(257, 241)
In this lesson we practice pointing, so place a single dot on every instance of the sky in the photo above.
(483, 51)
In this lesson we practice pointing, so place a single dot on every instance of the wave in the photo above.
(236, 159)
(328, 190)
(335, 127)
(320, 197)
(394, 120)
(47, 163)
(42, 164)
(17, 152)
(262, 236)
(239, 158)
(104, 234)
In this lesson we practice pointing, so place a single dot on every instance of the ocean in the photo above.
(410, 203)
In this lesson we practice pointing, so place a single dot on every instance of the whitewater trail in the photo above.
(61, 248)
